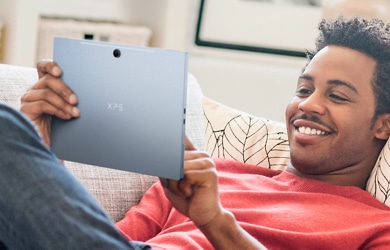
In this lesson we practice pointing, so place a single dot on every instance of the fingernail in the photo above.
(75, 111)
(56, 71)
(73, 99)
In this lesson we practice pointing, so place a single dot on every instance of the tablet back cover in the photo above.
(132, 107)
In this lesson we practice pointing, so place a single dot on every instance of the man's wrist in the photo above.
(219, 222)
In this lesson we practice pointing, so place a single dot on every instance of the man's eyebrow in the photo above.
(332, 82)
(306, 77)
(343, 83)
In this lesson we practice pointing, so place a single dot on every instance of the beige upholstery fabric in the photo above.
(14, 81)
(116, 190)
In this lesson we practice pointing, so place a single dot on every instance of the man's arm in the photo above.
(49, 96)
(225, 233)
(196, 196)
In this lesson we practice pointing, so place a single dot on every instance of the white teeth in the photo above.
(310, 131)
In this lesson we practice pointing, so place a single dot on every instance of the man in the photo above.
(338, 121)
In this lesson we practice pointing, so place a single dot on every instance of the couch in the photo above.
(222, 131)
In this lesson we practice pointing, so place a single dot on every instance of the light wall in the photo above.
(20, 18)
(256, 83)
(262, 88)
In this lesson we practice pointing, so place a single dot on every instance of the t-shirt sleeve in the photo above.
(145, 220)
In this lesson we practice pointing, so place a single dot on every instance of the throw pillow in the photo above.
(379, 182)
(236, 135)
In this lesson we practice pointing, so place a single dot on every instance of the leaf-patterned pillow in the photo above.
(236, 135)
(379, 182)
(232, 134)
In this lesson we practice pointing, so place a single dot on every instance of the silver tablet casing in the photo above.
(132, 107)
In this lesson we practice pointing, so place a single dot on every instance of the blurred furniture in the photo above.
(84, 29)
(2, 35)
(363, 8)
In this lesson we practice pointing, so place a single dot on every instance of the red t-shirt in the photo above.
(281, 210)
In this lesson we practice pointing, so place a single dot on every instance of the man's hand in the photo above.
(49, 96)
(196, 195)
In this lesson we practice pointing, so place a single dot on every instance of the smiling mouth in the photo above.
(310, 131)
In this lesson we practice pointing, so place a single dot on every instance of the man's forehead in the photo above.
(337, 55)
(339, 52)
(336, 63)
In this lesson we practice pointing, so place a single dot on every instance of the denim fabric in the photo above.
(42, 206)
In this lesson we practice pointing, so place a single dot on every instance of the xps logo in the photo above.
(115, 106)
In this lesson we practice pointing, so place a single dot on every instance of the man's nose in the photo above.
(315, 103)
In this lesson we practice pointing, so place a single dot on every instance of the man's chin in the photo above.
(306, 165)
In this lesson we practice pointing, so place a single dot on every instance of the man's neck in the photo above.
(344, 177)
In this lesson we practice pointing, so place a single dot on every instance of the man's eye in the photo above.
(303, 92)
(338, 98)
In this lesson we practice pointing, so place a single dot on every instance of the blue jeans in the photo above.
(42, 206)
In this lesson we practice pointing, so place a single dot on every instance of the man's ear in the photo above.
(382, 126)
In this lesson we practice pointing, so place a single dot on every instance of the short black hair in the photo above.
(371, 37)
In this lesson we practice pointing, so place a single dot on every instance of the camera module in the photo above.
(117, 53)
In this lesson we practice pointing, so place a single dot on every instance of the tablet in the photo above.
(132, 102)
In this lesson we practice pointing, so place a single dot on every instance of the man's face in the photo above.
(329, 119)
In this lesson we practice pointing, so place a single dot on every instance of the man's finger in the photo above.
(199, 164)
(189, 145)
(36, 101)
(48, 67)
(56, 85)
